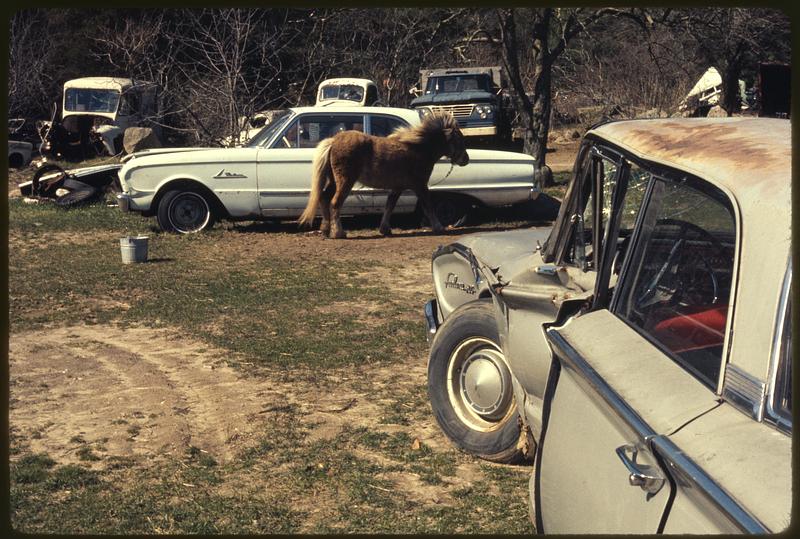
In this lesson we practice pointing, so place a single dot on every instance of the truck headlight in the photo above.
(424, 111)
(484, 111)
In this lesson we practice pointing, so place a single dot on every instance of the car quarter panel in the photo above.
(749, 462)
(492, 177)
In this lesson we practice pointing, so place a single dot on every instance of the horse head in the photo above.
(456, 150)
(454, 140)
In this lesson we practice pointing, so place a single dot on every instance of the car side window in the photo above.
(677, 287)
(308, 131)
(382, 126)
(590, 219)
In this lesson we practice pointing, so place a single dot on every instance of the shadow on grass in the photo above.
(541, 211)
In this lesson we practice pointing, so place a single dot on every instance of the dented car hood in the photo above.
(496, 249)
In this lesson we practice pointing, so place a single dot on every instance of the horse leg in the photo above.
(342, 191)
(424, 197)
(325, 206)
(391, 201)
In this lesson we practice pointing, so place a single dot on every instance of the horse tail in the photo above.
(320, 173)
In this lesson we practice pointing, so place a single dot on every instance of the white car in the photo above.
(187, 189)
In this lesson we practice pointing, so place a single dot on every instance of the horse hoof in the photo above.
(385, 231)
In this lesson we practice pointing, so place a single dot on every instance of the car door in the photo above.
(284, 169)
(641, 364)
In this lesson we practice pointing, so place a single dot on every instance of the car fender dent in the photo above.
(459, 277)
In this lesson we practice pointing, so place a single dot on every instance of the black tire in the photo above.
(486, 425)
(185, 211)
(79, 193)
(451, 210)
(76, 198)
(15, 160)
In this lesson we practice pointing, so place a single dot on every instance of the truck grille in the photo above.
(458, 111)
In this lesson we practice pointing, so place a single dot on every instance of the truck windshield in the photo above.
(88, 100)
(269, 130)
(458, 83)
(349, 92)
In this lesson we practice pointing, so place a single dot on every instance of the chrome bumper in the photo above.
(479, 131)
(431, 319)
(124, 202)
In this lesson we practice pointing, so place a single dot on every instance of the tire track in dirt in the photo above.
(152, 393)
(138, 391)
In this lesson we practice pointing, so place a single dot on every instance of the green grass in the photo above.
(249, 308)
(282, 482)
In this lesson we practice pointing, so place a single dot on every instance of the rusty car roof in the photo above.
(749, 157)
(751, 160)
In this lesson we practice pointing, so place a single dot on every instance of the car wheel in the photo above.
(451, 211)
(469, 385)
(78, 193)
(184, 212)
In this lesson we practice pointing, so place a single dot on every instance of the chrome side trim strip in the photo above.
(573, 360)
(688, 475)
(745, 392)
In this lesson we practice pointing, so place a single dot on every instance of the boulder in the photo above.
(140, 138)
(717, 112)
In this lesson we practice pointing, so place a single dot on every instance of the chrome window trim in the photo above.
(687, 474)
(771, 416)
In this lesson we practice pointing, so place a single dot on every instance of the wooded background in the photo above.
(215, 65)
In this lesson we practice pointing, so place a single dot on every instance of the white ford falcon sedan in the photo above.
(188, 189)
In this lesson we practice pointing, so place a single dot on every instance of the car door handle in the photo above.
(640, 475)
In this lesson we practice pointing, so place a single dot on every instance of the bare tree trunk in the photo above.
(538, 127)
(731, 101)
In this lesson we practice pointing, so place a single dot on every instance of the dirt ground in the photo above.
(105, 382)
(152, 394)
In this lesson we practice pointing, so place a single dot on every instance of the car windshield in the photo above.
(88, 100)
(349, 92)
(277, 123)
(458, 83)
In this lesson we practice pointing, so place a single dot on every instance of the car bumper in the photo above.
(124, 202)
(431, 319)
(479, 131)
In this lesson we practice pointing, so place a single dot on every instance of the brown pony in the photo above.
(403, 160)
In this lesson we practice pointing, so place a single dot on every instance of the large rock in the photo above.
(140, 138)
(717, 112)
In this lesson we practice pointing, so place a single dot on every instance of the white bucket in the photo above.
(133, 248)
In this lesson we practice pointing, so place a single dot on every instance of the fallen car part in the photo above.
(81, 185)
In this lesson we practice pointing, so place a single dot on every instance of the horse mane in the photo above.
(432, 124)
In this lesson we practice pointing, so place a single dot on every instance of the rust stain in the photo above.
(710, 145)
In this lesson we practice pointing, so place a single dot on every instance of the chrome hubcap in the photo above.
(486, 384)
(479, 384)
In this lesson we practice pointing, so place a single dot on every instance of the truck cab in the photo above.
(471, 95)
(95, 111)
(347, 91)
